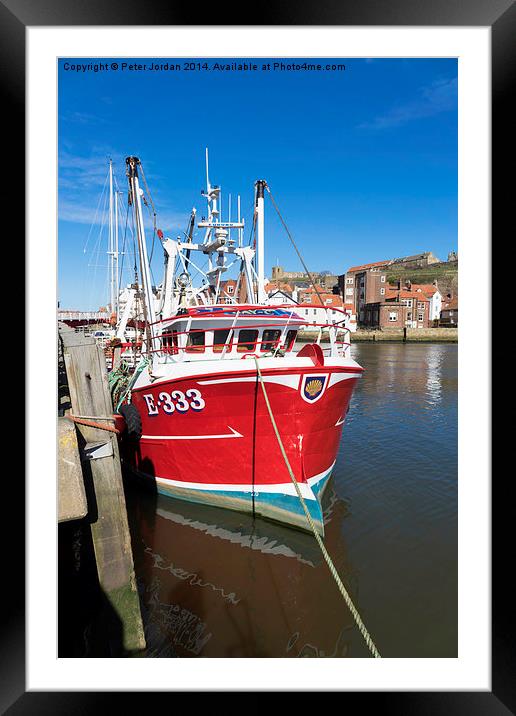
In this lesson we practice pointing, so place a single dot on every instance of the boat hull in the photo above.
(280, 504)
(208, 438)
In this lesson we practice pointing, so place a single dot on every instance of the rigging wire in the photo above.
(295, 247)
(154, 221)
(94, 261)
(121, 270)
(154, 214)
(85, 247)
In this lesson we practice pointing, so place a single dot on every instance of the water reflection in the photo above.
(218, 583)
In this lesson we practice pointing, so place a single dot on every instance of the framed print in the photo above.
(94, 95)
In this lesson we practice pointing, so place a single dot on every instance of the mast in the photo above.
(111, 247)
(115, 259)
(260, 232)
(148, 298)
(114, 287)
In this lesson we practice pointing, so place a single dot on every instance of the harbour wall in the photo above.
(393, 335)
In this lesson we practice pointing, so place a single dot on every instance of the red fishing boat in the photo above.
(195, 413)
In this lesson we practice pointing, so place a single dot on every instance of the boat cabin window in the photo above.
(195, 342)
(270, 339)
(247, 340)
(169, 340)
(290, 340)
(219, 340)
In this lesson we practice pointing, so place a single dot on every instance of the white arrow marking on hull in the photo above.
(340, 421)
(233, 434)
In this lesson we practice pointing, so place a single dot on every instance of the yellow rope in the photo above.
(360, 624)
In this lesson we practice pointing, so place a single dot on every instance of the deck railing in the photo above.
(248, 347)
(170, 339)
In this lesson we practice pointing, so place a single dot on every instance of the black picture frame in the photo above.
(500, 16)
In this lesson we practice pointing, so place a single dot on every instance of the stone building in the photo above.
(325, 278)
(279, 274)
(417, 261)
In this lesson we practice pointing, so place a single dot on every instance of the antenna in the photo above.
(240, 231)
(208, 187)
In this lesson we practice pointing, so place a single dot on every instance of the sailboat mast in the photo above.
(148, 298)
(117, 277)
(111, 247)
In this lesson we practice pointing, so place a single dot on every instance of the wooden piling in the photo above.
(90, 396)
(72, 503)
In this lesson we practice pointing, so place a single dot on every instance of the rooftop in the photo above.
(329, 299)
(364, 267)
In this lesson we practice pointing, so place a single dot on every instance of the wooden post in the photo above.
(72, 503)
(90, 396)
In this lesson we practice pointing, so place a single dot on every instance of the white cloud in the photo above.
(440, 96)
(83, 192)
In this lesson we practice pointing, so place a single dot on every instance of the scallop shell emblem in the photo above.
(313, 387)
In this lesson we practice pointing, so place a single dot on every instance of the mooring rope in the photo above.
(360, 624)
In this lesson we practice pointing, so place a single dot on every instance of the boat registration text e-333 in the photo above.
(175, 401)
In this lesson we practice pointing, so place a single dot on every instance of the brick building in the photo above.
(449, 313)
(402, 307)
(227, 291)
(362, 285)
(366, 288)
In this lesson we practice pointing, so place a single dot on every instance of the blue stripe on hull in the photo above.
(286, 509)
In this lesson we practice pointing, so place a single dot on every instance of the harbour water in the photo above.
(215, 583)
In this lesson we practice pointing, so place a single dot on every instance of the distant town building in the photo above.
(278, 274)
(429, 291)
(417, 261)
(280, 293)
(330, 310)
(362, 285)
(366, 288)
(307, 303)
(279, 297)
(435, 298)
(325, 278)
(231, 291)
(449, 313)
(403, 307)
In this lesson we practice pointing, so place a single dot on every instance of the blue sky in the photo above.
(362, 162)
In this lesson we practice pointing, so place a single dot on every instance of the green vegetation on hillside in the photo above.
(446, 275)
